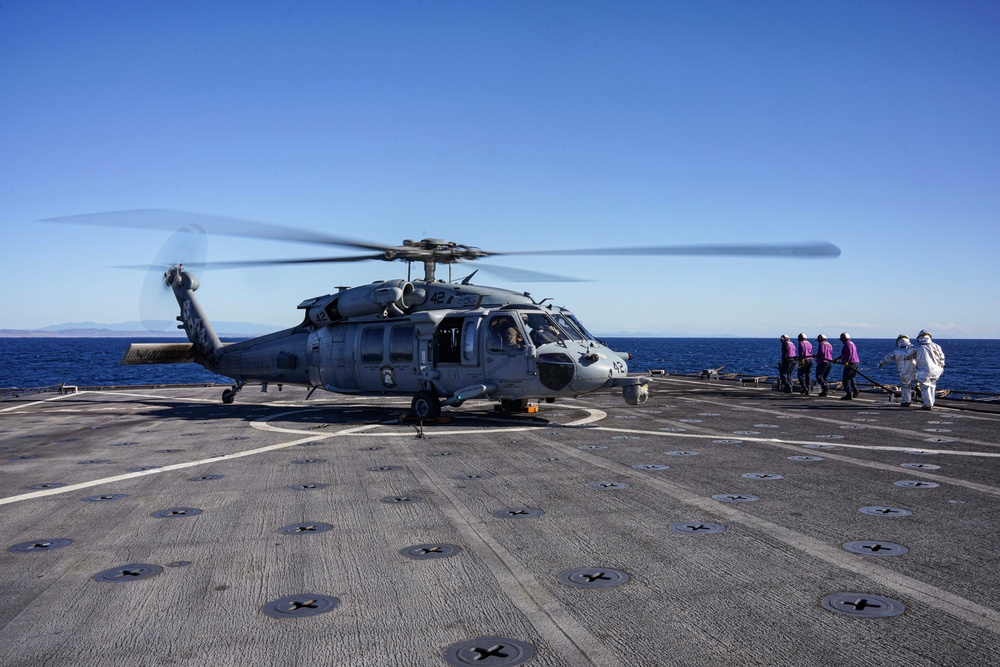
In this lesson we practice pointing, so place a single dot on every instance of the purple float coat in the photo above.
(787, 350)
(824, 352)
(849, 353)
(805, 349)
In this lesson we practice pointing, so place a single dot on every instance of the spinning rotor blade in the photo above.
(428, 251)
(152, 218)
(525, 276)
(250, 263)
(793, 250)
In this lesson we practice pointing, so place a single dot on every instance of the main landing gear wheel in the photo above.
(228, 396)
(426, 405)
(513, 406)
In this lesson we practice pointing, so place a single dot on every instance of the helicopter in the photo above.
(439, 342)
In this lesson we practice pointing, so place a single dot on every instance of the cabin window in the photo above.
(447, 341)
(469, 341)
(401, 344)
(372, 339)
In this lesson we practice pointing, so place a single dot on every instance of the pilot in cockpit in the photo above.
(540, 329)
(504, 334)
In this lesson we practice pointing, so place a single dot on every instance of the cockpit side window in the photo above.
(504, 336)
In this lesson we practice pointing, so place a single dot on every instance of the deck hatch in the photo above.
(697, 528)
(176, 513)
(876, 510)
(128, 573)
(863, 605)
(300, 606)
(430, 551)
(875, 548)
(593, 577)
(104, 498)
(305, 528)
(518, 513)
(492, 651)
(38, 546)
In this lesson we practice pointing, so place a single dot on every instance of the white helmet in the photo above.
(902, 340)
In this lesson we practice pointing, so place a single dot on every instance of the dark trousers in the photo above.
(785, 368)
(822, 373)
(805, 376)
(850, 386)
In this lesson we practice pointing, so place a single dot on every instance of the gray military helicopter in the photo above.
(441, 342)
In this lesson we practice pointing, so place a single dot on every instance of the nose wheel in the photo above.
(426, 405)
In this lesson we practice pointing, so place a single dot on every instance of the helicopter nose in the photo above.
(592, 372)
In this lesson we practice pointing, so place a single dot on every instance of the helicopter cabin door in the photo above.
(386, 359)
(505, 354)
(456, 352)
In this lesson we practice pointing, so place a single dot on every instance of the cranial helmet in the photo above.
(784, 337)
(924, 333)
(821, 337)
(902, 340)
(845, 335)
(802, 336)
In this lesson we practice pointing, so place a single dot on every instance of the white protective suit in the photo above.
(907, 367)
(930, 364)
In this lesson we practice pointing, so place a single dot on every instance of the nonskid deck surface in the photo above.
(715, 524)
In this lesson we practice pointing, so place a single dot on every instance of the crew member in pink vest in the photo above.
(849, 357)
(805, 354)
(824, 362)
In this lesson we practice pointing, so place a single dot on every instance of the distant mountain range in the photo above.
(157, 329)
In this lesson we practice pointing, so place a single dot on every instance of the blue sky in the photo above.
(518, 126)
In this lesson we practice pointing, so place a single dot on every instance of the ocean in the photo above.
(972, 365)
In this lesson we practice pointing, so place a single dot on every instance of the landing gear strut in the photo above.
(229, 395)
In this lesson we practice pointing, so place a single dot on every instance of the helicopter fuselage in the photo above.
(443, 343)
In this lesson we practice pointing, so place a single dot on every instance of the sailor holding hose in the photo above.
(906, 365)
(929, 358)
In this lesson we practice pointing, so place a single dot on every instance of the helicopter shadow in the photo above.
(320, 416)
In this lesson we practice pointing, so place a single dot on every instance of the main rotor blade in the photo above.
(250, 263)
(526, 276)
(791, 250)
(151, 218)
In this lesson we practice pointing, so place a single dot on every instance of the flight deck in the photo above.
(716, 524)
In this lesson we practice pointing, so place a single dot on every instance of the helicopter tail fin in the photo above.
(206, 346)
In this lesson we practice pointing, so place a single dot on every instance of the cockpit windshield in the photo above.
(543, 329)
(569, 323)
(570, 327)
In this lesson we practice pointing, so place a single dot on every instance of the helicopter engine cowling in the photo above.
(391, 298)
